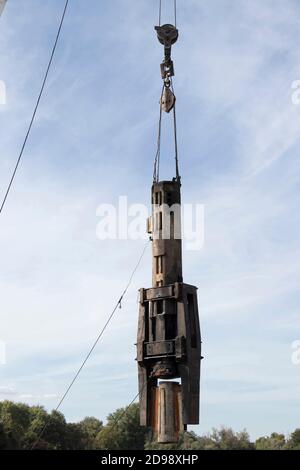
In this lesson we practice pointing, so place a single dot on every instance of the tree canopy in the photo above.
(21, 426)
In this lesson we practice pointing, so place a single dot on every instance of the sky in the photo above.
(93, 140)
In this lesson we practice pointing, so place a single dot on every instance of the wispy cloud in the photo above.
(94, 139)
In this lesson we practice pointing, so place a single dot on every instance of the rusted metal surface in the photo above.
(167, 35)
(167, 100)
(166, 400)
(168, 342)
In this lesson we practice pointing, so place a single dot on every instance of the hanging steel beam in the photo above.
(168, 340)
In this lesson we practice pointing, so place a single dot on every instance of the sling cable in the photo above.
(168, 337)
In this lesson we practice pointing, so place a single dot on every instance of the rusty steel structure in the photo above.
(168, 339)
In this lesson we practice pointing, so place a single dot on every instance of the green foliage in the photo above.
(21, 427)
(15, 419)
(274, 442)
(127, 434)
(90, 428)
(77, 438)
(227, 439)
(3, 438)
(294, 441)
(222, 439)
(278, 442)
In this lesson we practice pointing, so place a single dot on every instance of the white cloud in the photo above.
(93, 140)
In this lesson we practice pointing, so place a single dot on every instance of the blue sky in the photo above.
(93, 140)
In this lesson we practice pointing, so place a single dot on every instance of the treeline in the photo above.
(26, 427)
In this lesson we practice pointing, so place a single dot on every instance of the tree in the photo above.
(122, 431)
(274, 442)
(46, 431)
(222, 439)
(90, 428)
(76, 438)
(3, 438)
(294, 441)
(227, 439)
(25, 427)
(32, 435)
(15, 419)
(56, 430)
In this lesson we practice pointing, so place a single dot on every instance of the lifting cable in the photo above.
(157, 156)
(175, 12)
(168, 84)
(175, 136)
(36, 107)
(118, 304)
